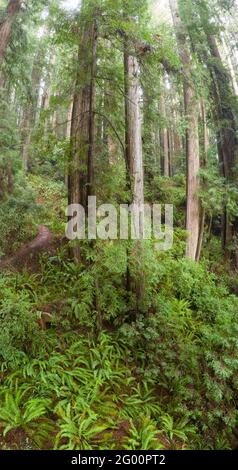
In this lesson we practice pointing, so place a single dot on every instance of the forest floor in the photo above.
(68, 382)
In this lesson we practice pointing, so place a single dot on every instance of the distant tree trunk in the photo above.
(192, 137)
(164, 137)
(68, 135)
(150, 130)
(171, 151)
(6, 29)
(54, 120)
(69, 120)
(112, 150)
(26, 143)
(80, 180)
(177, 144)
(45, 100)
(30, 112)
(227, 138)
(205, 146)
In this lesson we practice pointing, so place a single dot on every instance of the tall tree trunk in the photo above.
(192, 136)
(134, 160)
(83, 122)
(133, 134)
(6, 29)
(227, 138)
(30, 111)
(80, 180)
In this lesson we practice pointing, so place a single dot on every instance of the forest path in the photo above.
(42, 242)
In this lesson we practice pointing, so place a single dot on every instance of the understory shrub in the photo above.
(188, 348)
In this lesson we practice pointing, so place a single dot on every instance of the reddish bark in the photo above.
(192, 137)
(13, 8)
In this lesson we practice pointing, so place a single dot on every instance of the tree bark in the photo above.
(134, 161)
(83, 122)
(205, 145)
(69, 120)
(177, 144)
(192, 136)
(133, 133)
(13, 8)
(164, 137)
(80, 179)
(30, 113)
(227, 138)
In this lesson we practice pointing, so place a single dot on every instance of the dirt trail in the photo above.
(41, 243)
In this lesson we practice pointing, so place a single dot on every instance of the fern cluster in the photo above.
(86, 396)
(97, 378)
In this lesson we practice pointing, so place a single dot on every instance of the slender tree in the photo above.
(164, 135)
(134, 159)
(30, 112)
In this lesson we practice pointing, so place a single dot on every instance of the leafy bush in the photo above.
(188, 347)
(19, 334)
(17, 214)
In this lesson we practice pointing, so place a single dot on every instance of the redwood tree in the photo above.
(80, 174)
(12, 9)
(192, 135)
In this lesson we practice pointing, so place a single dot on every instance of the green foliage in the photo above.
(180, 429)
(51, 202)
(81, 433)
(81, 398)
(17, 214)
(19, 333)
(27, 414)
(189, 347)
(137, 387)
(170, 191)
(143, 436)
